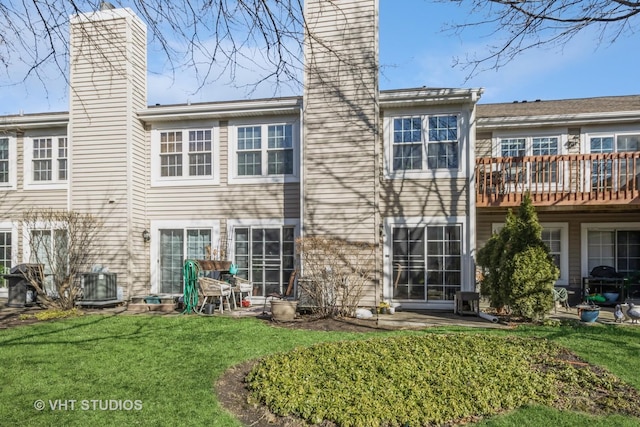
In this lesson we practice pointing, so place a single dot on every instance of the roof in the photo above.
(603, 104)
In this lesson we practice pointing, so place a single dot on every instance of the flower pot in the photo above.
(589, 316)
(283, 310)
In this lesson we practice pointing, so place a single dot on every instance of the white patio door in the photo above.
(176, 245)
(5, 260)
(265, 255)
(427, 262)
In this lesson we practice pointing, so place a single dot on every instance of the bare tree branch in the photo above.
(209, 38)
(541, 23)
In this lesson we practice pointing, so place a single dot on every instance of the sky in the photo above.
(414, 52)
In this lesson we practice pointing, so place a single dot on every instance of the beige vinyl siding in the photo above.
(223, 164)
(340, 120)
(427, 197)
(108, 172)
(484, 144)
(138, 156)
(341, 124)
(573, 134)
(225, 201)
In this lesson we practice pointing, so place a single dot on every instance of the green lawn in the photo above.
(168, 366)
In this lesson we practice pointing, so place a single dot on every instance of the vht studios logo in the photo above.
(88, 405)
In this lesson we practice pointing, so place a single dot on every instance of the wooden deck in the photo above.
(569, 179)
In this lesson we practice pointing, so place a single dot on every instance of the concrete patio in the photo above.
(402, 319)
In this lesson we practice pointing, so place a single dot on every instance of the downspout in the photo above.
(301, 174)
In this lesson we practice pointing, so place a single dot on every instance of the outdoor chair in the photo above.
(212, 289)
(242, 286)
(560, 296)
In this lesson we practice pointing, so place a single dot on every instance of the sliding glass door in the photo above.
(265, 255)
(176, 245)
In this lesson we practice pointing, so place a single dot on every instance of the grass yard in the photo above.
(150, 370)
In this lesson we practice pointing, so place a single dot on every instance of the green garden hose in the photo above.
(190, 270)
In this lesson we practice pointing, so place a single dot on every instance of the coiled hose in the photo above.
(190, 298)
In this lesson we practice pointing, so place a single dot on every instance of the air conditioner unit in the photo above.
(99, 286)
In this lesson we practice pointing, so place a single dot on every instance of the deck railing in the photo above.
(568, 179)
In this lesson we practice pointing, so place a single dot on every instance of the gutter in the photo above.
(487, 123)
(222, 110)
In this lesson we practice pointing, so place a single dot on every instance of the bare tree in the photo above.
(212, 38)
(336, 273)
(542, 23)
(64, 244)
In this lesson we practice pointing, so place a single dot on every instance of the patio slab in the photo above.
(402, 319)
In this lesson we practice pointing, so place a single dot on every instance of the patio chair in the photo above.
(561, 296)
(242, 286)
(212, 289)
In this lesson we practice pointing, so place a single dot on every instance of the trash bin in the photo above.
(21, 292)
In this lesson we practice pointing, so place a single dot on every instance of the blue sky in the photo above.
(414, 52)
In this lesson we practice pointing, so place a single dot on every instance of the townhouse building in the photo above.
(579, 159)
(425, 174)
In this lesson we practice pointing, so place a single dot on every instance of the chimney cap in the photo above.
(105, 5)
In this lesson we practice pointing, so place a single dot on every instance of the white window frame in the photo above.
(529, 136)
(154, 246)
(604, 133)
(26, 246)
(563, 280)
(54, 183)
(12, 228)
(11, 184)
(598, 226)
(26, 235)
(264, 177)
(232, 224)
(465, 142)
(168, 181)
(467, 268)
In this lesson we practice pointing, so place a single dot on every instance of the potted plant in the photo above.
(283, 310)
(383, 307)
(590, 313)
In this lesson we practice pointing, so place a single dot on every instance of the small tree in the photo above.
(518, 270)
(63, 242)
(335, 273)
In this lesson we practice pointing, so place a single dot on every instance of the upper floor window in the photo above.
(5, 163)
(192, 158)
(425, 142)
(42, 159)
(275, 157)
(263, 152)
(46, 161)
(529, 146)
(62, 158)
(184, 155)
(516, 171)
(614, 143)
(609, 173)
